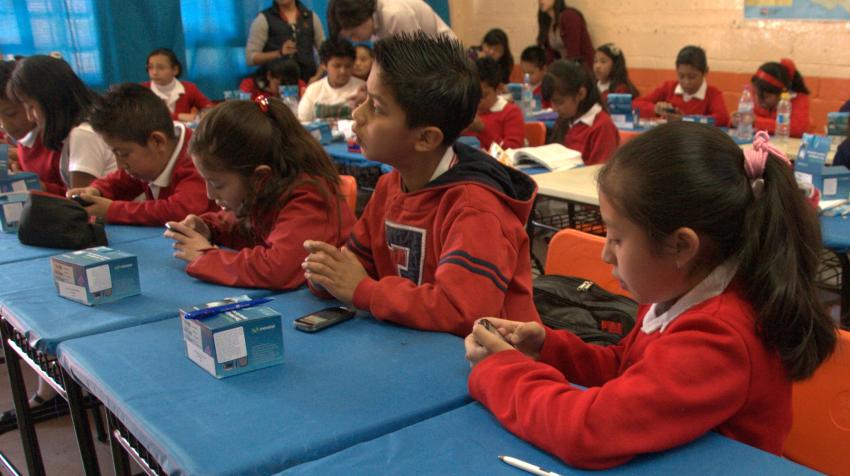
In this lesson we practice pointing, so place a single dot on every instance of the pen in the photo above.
(209, 311)
(533, 469)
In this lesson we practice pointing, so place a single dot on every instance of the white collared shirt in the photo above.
(445, 163)
(29, 140)
(169, 93)
(700, 94)
(499, 105)
(602, 87)
(713, 285)
(164, 179)
(589, 116)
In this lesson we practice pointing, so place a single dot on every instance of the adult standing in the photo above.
(364, 20)
(287, 29)
(563, 32)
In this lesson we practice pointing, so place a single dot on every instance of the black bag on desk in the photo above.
(583, 308)
(57, 222)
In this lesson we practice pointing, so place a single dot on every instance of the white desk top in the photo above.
(576, 185)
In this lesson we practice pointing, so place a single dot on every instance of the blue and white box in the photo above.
(233, 342)
(620, 109)
(19, 182)
(96, 275)
(699, 118)
(321, 131)
(810, 167)
(11, 208)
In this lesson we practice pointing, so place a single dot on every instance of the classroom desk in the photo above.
(35, 320)
(469, 440)
(576, 185)
(344, 385)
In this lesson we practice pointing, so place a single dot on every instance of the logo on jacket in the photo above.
(407, 249)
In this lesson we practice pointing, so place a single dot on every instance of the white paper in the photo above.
(99, 278)
(199, 357)
(12, 212)
(230, 345)
(73, 292)
(19, 186)
(830, 186)
(803, 177)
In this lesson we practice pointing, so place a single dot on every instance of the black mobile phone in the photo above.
(490, 327)
(671, 110)
(82, 201)
(319, 320)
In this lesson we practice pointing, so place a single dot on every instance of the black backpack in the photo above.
(583, 308)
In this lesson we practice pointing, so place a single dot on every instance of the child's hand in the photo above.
(527, 337)
(338, 271)
(288, 48)
(189, 243)
(99, 205)
(196, 223)
(663, 108)
(88, 191)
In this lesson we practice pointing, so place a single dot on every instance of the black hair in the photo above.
(284, 69)
(545, 22)
(365, 45)
(498, 37)
(693, 56)
(780, 72)
(566, 78)
(432, 79)
(489, 71)
(619, 74)
(344, 14)
(131, 112)
(6, 69)
(60, 93)
(336, 47)
(172, 58)
(534, 55)
(692, 175)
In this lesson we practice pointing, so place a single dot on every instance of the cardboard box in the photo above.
(619, 103)
(11, 207)
(700, 119)
(321, 131)
(810, 167)
(234, 342)
(19, 182)
(96, 275)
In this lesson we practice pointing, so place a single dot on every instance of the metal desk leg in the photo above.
(80, 420)
(120, 461)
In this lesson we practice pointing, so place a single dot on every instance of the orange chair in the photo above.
(626, 136)
(535, 133)
(820, 433)
(575, 253)
(348, 189)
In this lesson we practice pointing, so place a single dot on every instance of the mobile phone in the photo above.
(671, 110)
(319, 320)
(490, 327)
(82, 201)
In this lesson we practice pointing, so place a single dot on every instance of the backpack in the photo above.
(593, 314)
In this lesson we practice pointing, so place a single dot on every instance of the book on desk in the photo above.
(553, 157)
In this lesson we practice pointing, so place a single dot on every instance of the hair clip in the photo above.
(262, 102)
(614, 49)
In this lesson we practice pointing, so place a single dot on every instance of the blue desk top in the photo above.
(469, 440)
(12, 251)
(341, 386)
(30, 301)
(836, 233)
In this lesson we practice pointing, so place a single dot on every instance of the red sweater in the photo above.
(270, 256)
(800, 120)
(43, 162)
(620, 89)
(193, 98)
(452, 252)
(576, 38)
(505, 127)
(707, 371)
(186, 193)
(596, 143)
(712, 105)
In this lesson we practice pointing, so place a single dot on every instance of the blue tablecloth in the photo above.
(469, 440)
(12, 251)
(836, 233)
(341, 386)
(30, 301)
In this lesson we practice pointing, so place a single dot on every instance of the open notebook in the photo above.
(551, 156)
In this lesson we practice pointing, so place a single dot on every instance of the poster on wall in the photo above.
(797, 9)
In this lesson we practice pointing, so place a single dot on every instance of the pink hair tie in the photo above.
(755, 160)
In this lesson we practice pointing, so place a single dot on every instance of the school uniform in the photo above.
(800, 120)
(322, 101)
(178, 191)
(269, 254)
(571, 40)
(605, 89)
(250, 86)
(35, 157)
(85, 151)
(503, 124)
(441, 257)
(707, 101)
(594, 135)
(180, 97)
(698, 367)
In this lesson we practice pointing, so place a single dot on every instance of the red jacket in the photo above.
(712, 105)
(707, 371)
(193, 98)
(576, 38)
(596, 143)
(800, 120)
(505, 127)
(452, 252)
(249, 85)
(270, 256)
(43, 162)
(185, 194)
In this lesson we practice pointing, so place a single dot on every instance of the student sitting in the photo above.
(722, 332)
(533, 63)
(363, 60)
(184, 99)
(690, 95)
(442, 241)
(497, 120)
(328, 97)
(269, 77)
(495, 45)
(583, 124)
(609, 67)
(151, 151)
(769, 82)
(276, 187)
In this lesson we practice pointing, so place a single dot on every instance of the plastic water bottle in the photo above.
(289, 96)
(527, 101)
(783, 121)
(744, 131)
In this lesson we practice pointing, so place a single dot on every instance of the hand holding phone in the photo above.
(82, 201)
(319, 320)
(490, 327)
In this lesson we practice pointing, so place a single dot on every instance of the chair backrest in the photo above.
(575, 253)
(626, 136)
(348, 188)
(535, 133)
(820, 433)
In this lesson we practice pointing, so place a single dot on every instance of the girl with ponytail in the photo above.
(769, 82)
